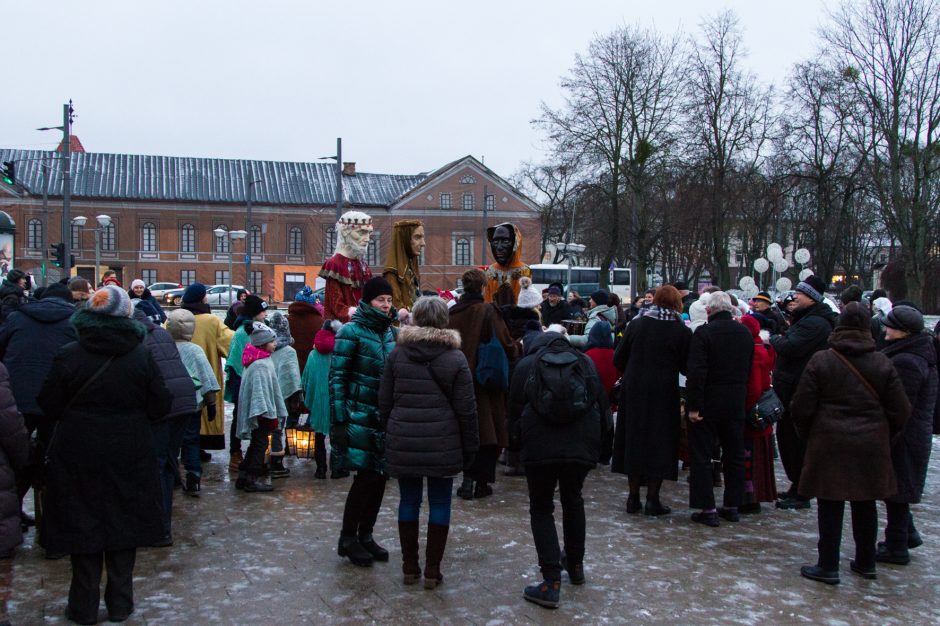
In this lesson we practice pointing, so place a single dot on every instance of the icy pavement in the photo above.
(271, 559)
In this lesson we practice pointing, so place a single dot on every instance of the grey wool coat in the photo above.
(427, 403)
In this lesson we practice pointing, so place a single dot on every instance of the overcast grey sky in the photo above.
(409, 85)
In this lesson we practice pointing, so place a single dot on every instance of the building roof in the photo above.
(188, 179)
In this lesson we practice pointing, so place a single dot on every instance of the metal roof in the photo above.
(188, 179)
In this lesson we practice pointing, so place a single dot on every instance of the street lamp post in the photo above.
(232, 235)
(103, 222)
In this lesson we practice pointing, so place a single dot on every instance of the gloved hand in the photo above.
(210, 412)
(468, 459)
(338, 437)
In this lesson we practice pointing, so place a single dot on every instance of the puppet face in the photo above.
(417, 241)
(354, 239)
(502, 244)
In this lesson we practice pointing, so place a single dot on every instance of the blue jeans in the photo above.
(165, 433)
(188, 448)
(439, 495)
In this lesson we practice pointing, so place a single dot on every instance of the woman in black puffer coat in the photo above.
(912, 352)
(427, 401)
(102, 492)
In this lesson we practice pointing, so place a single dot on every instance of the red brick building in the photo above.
(164, 210)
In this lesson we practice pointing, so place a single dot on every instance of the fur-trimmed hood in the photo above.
(424, 343)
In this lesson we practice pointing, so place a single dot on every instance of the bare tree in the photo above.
(889, 49)
(554, 188)
(728, 124)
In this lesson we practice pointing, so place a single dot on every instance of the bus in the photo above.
(584, 280)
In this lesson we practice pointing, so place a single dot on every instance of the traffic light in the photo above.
(8, 172)
(57, 252)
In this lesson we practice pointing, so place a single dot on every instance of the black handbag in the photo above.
(767, 411)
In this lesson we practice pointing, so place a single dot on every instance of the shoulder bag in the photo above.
(767, 411)
(492, 369)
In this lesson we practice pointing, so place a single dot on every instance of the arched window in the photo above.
(462, 252)
(223, 244)
(109, 238)
(255, 237)
(187, 238)
(148, 233)
(295, 241)
(34, 234)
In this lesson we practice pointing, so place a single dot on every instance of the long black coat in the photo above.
(102, 489)
(13, 452)
(915, 359)
(651, 354)
(719, 366)
(807, 335)
(28, 340)
(427, 432)
(175, 376)
(547, 442)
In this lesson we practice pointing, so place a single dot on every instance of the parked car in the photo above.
(174, 296)
(219, 294)
(158, 289)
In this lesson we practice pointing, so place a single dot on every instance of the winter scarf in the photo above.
(665, 315)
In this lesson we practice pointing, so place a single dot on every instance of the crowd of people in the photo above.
(845, 394)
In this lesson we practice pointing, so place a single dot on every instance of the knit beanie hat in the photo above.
(278, 323)
(752, 324)
(138, 283)
(529, 297)
(324, 341)
(261, 334)
(813, 287)
(374, 288)
(855, 316)
(253, 306)
(14, 275)
(600, 297)
(306, 295)
(600, 336)
(906, 318)
(56, 290)
(194, 293)
(181, 324)
(111, 300)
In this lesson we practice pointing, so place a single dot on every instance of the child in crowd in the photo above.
(288, 376)
(260, 405)
(317, 394)
(253, 310)
(181, 324)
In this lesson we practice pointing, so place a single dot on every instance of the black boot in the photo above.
(350, 547)
(408, 536)
(378, 552)
(465, 490)
(434, 553)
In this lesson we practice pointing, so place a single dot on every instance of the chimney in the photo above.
(349, 168)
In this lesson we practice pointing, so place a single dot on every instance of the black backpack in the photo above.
(559, 387)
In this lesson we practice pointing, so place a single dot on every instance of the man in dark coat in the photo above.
(13, 292)
(103, 493)
(720, 356)
(13, 450)
(914, 356)
(811, 323)
(554, 309)
(29, 339)
(556, 453)
(168, 433)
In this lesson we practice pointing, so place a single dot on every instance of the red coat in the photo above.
(603, 359)
(759, 381)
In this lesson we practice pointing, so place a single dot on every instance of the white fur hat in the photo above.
(529, 297)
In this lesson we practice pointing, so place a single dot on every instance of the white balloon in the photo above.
(801, 256)
(774, 251)
(745, 282)
(781, 265)
(806, 274)
(784, 284)
(761, 265)
(751, 291)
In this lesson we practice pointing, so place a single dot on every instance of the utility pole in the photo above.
(67, 187)
(249, 184)
(45, 219)
(339, 180)
(483, 238)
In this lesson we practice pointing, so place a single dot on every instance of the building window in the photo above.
(223, 244)
(446, 200)
(34, 234)
(468, 180)
(187, 238)
(109, 238)
(148, 276)
(330, 241)
(76, 237)
(462, 254)
(255, 284)
(295, 241)
(187, 277)
(255, 246)
(149, 236)
(372, 253)
(467, 203)
(489, 203)
(221, 277)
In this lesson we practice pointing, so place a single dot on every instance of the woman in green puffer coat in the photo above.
(356, 435)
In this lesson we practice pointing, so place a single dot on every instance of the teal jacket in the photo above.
(362, 346)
